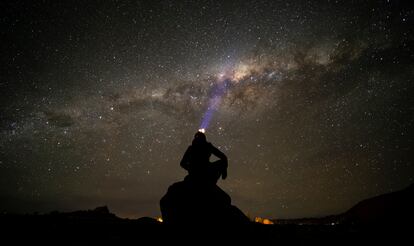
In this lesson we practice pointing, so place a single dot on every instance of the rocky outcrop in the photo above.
(191, 202)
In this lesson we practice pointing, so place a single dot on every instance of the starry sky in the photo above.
(100, 100)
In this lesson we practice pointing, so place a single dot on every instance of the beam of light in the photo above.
(218, 91)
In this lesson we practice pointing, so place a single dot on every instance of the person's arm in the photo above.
(185, 161)
(223, 159)
(218, 153)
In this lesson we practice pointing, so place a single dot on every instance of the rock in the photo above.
(191, 201)
(101, 210)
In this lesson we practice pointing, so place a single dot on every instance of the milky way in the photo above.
(100, 101)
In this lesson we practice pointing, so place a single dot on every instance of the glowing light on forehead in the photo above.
(202, 130)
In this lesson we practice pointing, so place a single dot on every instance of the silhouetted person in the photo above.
(198, 199)
(196, 160)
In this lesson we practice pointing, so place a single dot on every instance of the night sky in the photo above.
(100, 100)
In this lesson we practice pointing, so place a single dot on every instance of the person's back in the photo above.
(196, 159)
(198, 155)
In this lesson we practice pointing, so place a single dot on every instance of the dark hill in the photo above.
(388, 209)
(396, 208)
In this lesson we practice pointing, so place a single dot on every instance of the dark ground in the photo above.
(385, 219)
(66, 229)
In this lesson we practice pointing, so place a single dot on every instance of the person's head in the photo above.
(199, 138)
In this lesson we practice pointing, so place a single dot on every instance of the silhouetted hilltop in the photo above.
(392, 208)
(386, 209)
(97, 213)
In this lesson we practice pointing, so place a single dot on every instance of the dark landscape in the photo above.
(387, 217)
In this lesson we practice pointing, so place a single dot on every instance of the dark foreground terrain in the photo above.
(384, 219)
(60, 229)
(93, 228)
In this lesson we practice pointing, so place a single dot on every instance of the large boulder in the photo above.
(191, 201)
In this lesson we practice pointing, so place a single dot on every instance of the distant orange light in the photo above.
(267, 222)
(263, 221)
(159, 219)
